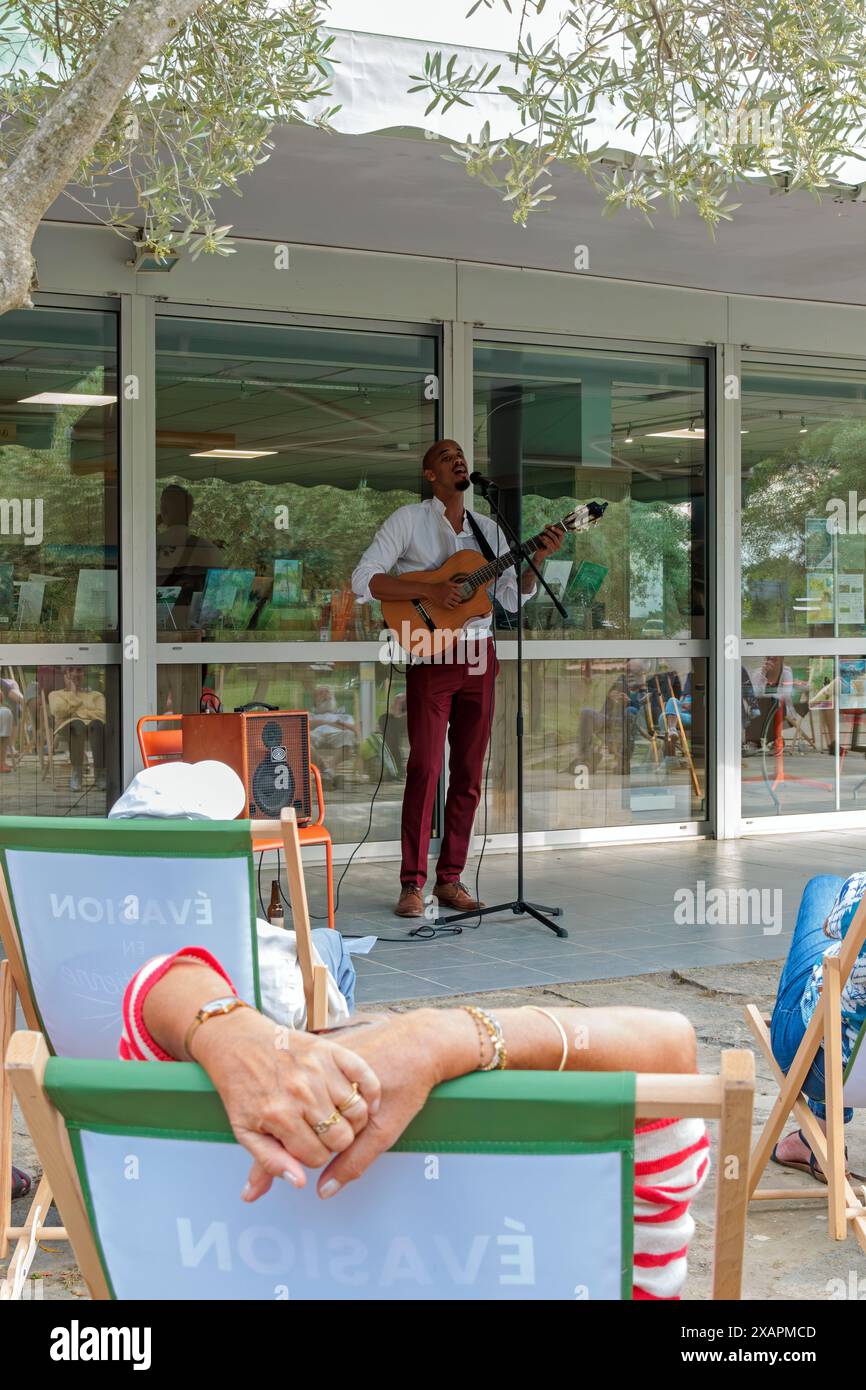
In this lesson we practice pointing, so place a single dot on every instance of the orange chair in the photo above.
(159, 745)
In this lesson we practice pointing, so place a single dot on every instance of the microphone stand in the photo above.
(519, 906)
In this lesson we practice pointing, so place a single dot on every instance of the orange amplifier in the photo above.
(269, 751)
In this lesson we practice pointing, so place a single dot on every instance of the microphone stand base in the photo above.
(520, 908)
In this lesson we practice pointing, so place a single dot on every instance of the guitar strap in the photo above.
(483, 543)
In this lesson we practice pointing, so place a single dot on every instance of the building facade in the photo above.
(193, 461)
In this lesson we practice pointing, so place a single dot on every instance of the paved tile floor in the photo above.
(619, 909)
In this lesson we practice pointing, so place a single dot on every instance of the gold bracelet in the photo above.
(558, 1026)
(493, 1028)
(215, 1009)
(481, 1037)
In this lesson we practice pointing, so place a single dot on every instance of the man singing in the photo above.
(451, 692)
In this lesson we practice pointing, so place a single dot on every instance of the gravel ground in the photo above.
(788, 1252)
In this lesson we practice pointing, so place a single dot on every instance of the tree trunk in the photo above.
(68, 131)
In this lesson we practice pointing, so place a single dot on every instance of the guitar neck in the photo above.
(494, 568)
(578, 520)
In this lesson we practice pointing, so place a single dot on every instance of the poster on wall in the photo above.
(850, 603)
(851, 553)
(821, 684)
(287, 583)
(226, 597)
(587, 580)
(819, 544)
(852, 684)
(31, 592)
(557, 574)
(166, 597)
(819, 597)
(95, 600)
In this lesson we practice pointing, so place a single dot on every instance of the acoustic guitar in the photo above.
(426, 629)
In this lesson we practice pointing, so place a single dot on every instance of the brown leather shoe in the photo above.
(456, 896)
(411, 903)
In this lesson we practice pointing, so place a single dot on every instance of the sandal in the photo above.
(21, 1184)
(810, 1167)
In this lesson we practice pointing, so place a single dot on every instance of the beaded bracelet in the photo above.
(486, 1023)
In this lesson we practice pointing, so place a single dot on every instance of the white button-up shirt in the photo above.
(420, 537)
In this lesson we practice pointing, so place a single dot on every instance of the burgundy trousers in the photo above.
(458, 698)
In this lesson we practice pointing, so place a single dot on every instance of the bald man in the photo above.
(454, 694)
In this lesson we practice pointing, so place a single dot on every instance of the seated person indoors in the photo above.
(11, 701)
(679, 702)
(827, 909)
(616, 724)
(213, 791)
(773, 690)
(341, 1100)
(332, 730)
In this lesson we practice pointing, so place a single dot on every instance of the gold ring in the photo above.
(326, 1124)
(355, 1096)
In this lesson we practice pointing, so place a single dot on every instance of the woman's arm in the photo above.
(275, 1084)
(411, 1053)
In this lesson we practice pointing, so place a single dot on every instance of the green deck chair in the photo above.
(85, 902)
(506, 1186)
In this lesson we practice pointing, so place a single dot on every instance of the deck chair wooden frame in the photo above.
(846, 1209)
(656, 680)
(15, 987)
(726, 1097)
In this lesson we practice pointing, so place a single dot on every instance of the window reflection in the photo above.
(59, 740)
(609, 741)
(789, 735)
(58, 465)
(568, 426)
(352, 742)
(803, 534)
(280, 451)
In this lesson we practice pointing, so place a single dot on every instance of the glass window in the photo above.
(279, 453)
(845, 731)
(789, 721)
(609, 741)
(804, 504)
(351, 741)
(59, 740)
(58, 464)
(567, 427)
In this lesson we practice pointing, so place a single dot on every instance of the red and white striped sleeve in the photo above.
(671, 1165)
(136, 1044)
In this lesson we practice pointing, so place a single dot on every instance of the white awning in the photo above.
(373, 73)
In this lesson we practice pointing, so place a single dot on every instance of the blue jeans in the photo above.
(807, 947)
(332, 948)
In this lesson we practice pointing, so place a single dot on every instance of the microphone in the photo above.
(483, 484)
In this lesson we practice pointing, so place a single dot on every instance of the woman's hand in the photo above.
(276, 1085)
(410, 1053)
